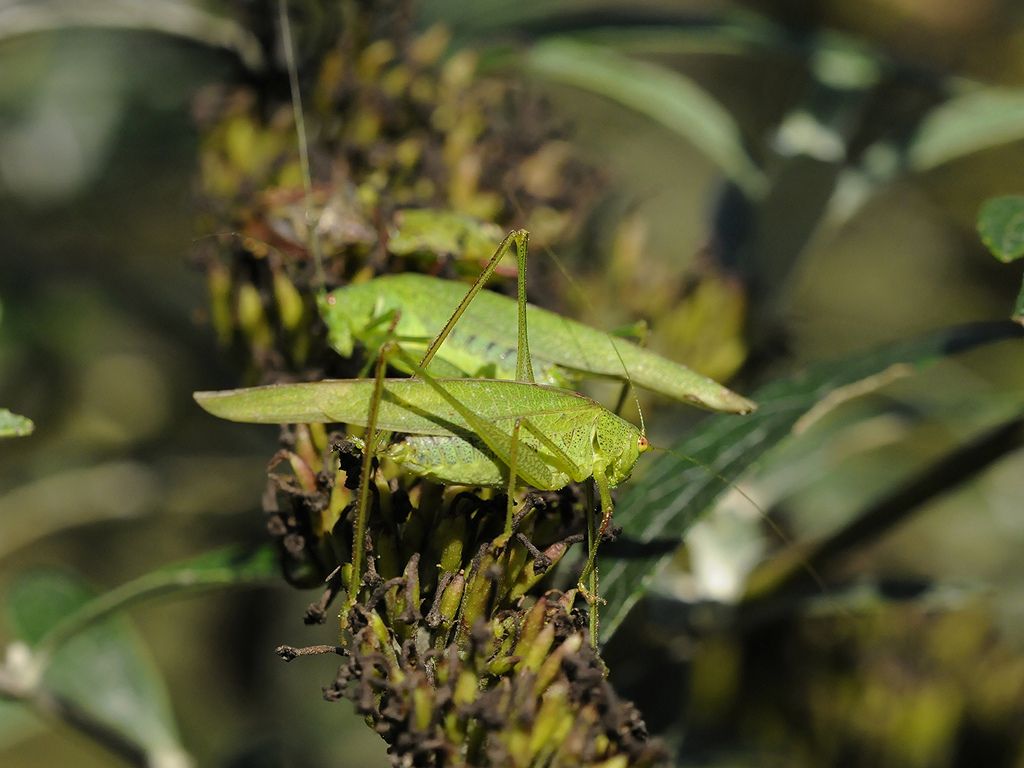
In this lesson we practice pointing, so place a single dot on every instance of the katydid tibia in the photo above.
(562, 350)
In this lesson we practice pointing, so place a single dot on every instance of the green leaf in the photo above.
(682, 487)
(94, 659)
(104, 671)
(980, 119)
(728, 33)
(227, 567)
(667, 97)
(1001, 226)
(13, 425)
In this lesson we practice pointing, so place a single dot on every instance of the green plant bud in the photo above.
(505, 630)
(289, 301)
(528, 574)
(477, 594)
(395, 82)
(449, 538)
(251, 317)
(381, 633)
(553, 663)
(553, 722)
(319, 434)
(305, 448)
(410, 600)
(339, 499)
(408, 152)
(503, 639)
(451, 599)
(466, 688)
(240, 140)
(534, 654)
(364, 128)
(459, 70)
(218, 283)
(428, 46)
(515, 558)
(422, 708)
(532, 626)
(517, 741)
(423, 90)
(501, 665)
(303, 473)
(454, 728)
(374, 57)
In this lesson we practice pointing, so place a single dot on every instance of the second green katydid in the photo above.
(484, 344)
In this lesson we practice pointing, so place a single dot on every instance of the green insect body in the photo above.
(565, 436)
(483, 344)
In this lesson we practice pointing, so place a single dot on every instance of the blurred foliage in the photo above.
(1001, 226)
(13, 425)
(874, 133)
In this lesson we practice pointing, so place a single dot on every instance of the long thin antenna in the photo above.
(300, 129)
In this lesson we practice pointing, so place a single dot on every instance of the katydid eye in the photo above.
(643, 443)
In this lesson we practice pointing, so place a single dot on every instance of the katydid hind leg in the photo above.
(512, 467)
(488, 270)
(366, 469)
(605, 495)
(524, 364)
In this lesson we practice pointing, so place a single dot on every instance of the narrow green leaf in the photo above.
(676, 491)
(13, 425)
(667, 97)
(1001, 226)
(104, 671)
(228, 567)
(979, 119)
(729, 33)
(176, 19)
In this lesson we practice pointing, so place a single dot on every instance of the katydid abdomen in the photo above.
(483, 343)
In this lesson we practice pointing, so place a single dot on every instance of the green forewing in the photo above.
(569, 420)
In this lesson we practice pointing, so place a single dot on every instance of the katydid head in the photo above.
(620, 443)
(353, 313)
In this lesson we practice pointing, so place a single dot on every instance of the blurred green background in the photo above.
(103, 339)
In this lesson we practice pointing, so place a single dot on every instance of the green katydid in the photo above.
(562, 350)
(571, 435)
